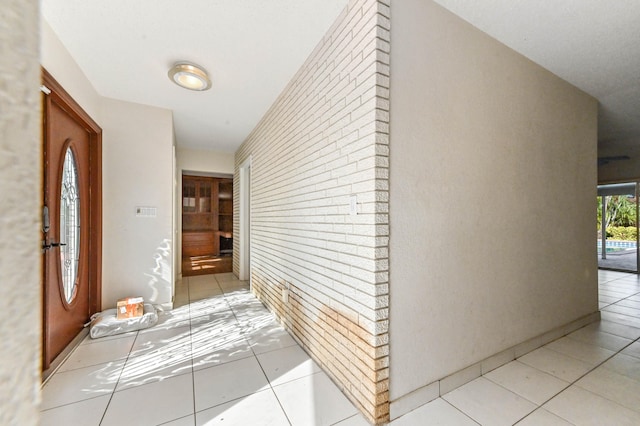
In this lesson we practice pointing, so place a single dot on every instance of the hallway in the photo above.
(221, 357)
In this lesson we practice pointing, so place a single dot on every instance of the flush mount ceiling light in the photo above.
(190, 76)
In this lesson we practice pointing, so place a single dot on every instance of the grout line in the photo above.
(457, 409)
(573, 383)
(73, 403)
(255, 356)
(135, 335)
(273, 390)
(124, 365)
(630, 324)
(225, 297)
(550, 412)
(258, 361)
(193, 372)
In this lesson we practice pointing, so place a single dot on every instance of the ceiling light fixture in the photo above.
(190, 76)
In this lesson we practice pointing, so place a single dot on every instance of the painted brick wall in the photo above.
(323, 141)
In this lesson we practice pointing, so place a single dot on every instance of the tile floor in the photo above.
(589, 377)
(220, 357)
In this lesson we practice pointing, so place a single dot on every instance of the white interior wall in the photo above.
(56, 59)
(20, 187)
(137, 170)
(137, 155)
(492, 189)
(205, 161)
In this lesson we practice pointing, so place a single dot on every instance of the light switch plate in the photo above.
(145, 211)
(353, 205)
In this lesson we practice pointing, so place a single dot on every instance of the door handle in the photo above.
(51, 245)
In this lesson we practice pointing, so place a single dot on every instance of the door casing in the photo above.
(245, 221)
(58, 95)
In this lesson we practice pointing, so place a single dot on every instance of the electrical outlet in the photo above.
(285, 295)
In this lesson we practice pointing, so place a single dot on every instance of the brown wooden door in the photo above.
(67, 227)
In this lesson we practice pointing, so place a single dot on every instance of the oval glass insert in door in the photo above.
(69, 225)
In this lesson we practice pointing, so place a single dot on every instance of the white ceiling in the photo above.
(593, 44)
(252, 48)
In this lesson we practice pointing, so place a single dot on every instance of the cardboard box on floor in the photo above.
(129, 307)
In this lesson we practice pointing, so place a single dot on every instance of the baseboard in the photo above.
(413, 400)
(428, 393)
(164, 307)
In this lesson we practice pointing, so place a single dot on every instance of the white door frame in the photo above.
(245, 220)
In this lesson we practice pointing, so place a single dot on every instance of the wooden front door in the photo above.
(70, 282)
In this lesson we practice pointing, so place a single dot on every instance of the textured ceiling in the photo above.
(593, 44)
(252, 48)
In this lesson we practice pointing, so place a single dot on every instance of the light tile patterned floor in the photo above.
(590, 377)
(220, 357)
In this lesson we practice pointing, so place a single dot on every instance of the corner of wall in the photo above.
(56, 59)
(319, 205)
(20, 186)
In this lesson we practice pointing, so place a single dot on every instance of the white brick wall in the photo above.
(324, 140)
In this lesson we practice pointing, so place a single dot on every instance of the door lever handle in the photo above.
(51, 245)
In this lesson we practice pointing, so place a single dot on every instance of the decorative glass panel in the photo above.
(188, 197)
(69, 225)
(205, 198)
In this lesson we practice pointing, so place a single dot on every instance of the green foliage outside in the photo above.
(624, 233)
(621, 217)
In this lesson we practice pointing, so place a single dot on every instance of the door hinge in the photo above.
(45, 89)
